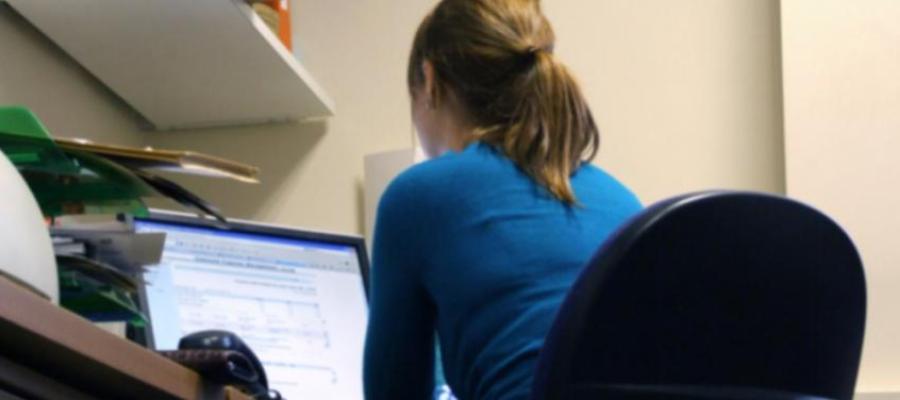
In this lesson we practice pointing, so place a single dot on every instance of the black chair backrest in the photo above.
(718, 291)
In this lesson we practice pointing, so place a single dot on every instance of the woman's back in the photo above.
(490, 254)
(482, 243)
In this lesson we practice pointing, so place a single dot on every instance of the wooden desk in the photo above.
(47, 352)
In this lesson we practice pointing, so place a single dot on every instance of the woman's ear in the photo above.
(429, 86)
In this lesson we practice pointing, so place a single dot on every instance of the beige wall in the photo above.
(313, 172)
(687, 93)
(842, 131)
(35, 74)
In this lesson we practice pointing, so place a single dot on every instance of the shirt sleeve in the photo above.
(399, 350)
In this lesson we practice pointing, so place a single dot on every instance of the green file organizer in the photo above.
(67, 182)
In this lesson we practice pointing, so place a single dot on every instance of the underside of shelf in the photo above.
(184, 63)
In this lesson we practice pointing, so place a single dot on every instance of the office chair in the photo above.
(717, 295)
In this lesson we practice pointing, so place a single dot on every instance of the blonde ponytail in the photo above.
(497, 58)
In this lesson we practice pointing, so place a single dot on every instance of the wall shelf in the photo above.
(184, 63)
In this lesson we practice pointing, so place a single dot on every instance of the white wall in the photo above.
(312, 173)
(686, 93)
(842, 131)
(35, 74)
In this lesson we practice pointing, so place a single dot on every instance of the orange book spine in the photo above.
(284, 20)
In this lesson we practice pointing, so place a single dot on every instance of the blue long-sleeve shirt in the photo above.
(468, 245)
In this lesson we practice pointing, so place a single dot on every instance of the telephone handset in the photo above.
(243, 373)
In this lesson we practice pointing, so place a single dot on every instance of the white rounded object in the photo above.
(26, 251)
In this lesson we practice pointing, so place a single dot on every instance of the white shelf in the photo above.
(183, 63)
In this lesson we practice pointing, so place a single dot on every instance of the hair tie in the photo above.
(531, 54)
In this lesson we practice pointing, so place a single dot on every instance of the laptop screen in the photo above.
(297, 298)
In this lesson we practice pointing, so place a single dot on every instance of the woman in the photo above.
(482, 242)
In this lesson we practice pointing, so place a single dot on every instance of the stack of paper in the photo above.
(144, 161)
(75, 176)
(148, 158)
(100, 264)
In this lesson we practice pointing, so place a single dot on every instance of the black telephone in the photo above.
(250, 377)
